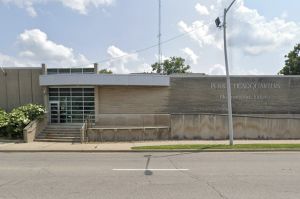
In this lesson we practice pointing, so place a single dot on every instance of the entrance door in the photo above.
(54, 112)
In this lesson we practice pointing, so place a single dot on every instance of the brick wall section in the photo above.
(131, 99)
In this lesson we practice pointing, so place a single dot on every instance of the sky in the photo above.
(77, 33)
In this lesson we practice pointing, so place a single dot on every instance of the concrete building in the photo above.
(181, 106)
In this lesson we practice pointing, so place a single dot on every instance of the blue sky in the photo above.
(62, 33)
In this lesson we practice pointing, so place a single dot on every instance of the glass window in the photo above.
(75, 104)
(52, 71)
(88, 103)
(76, 70)
(91, 99)
(78, 90)
(64, 71)
(88, 70)
(89, 90)
(53, 90)
(65, 90)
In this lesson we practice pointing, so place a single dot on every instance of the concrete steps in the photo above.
(60, 133)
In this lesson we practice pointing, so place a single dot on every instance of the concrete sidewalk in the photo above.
(115, 146)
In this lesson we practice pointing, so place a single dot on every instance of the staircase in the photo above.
(60, 133)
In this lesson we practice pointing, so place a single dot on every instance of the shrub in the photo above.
(32, 111)
(3, 122)
(20, 117)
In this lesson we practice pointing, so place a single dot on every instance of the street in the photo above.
(150, 175)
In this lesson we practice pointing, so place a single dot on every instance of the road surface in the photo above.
(150, 175)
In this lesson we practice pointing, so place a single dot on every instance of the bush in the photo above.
(3, 122)
(20, 117)
(32, 111)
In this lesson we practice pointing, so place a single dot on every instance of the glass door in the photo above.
(54, 112)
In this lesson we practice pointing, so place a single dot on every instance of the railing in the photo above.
(83, 132)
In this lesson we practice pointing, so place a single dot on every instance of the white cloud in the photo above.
(36, 47)
(191, 56)
(8, 61)
(120, 59)
(163, 57)
(80, 6)
(201, 9)
(217, 69)
(248, 30)
(200, 32)
(144, 68)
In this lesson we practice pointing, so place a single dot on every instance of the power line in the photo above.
(146, 48)
(141, 49)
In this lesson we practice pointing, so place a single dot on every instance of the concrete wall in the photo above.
(19, 87)
(34, 128)
(199, 126)
(97, 135)
(132, 120)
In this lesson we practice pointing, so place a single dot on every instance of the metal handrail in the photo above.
(83, 132)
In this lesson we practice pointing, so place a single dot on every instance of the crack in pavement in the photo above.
(216, 190)
(198, 180)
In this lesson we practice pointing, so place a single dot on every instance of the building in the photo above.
(193, 106)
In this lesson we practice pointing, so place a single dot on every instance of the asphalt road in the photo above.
(150, 175)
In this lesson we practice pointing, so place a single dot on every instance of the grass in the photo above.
(220, 147)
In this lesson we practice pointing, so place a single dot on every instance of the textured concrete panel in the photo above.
(273, 126)
(19, 87)
(13, 90)
(106, 135)
(37, 94)
(3, 96)
(25, 85)
(132, 120)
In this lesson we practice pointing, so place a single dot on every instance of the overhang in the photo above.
(104, 80)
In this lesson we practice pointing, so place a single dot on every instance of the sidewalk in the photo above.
(115, 146)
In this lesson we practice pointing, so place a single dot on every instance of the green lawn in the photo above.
(219, 146)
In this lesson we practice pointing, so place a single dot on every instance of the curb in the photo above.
(146, 151)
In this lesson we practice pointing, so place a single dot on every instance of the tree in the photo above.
(105, 71)
(292, 63)
(170, 66)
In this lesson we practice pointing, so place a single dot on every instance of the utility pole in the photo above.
(230, 122)
(159, 33)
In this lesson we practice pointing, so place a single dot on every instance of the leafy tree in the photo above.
(105, 71)
(292, 63)
(170, 66)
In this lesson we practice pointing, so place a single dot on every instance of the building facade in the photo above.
(196, 103)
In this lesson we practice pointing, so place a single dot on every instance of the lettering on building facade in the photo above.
(246, 86)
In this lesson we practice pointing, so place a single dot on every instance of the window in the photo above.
(51, 71)
(75, 104)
